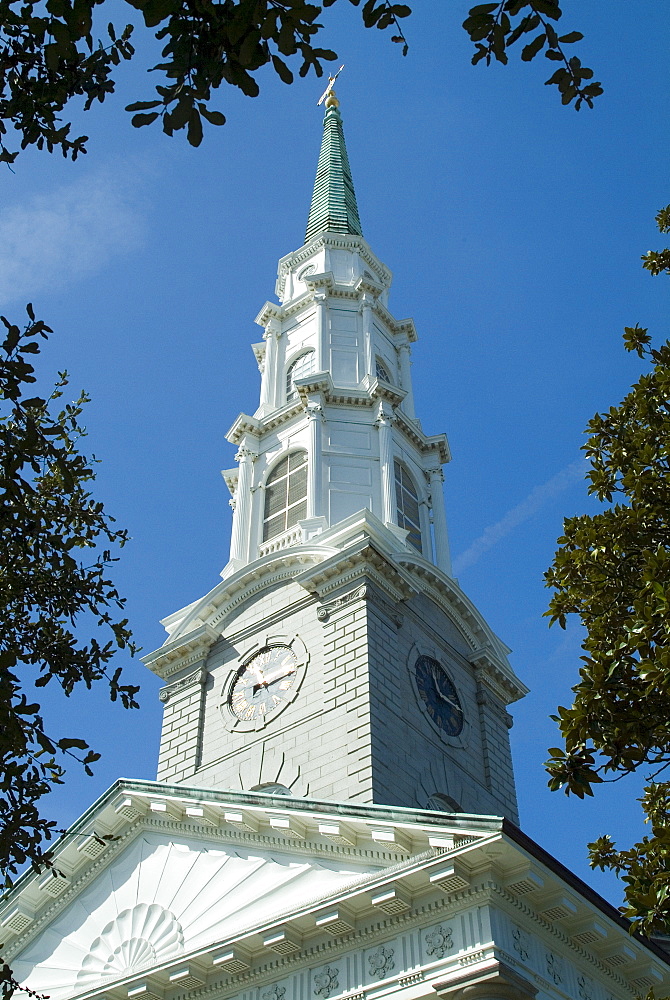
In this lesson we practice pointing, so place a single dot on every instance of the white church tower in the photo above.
(334, 815)
(338, 658)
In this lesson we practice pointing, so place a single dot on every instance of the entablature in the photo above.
(334, 241)
(401, 329)
(245, 424)
(407, 872)
(178, 654)
(366, 395)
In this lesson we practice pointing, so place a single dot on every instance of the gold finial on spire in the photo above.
(329, 95)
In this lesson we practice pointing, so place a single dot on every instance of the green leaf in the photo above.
(572, 36)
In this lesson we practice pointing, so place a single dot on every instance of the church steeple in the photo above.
(333, 208)
(337, 658)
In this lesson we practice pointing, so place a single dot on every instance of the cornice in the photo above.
(269, 311)
(366, 395)
(514, 903)
(497, 674)
(181, 652)
(379, 389)
(129, 805)
(369, 933)
(244, 424)
(259, 353)
(78, 880)
(347, 566)
(488, 650)
(474, 864)
(230, 478)
(434, 443)
(251, 579)
(404, 327)
(320, 382)
(333, 241)
(320, 280)
(368, 285)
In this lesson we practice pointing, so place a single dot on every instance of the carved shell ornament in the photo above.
(137, 938)
(160, 898)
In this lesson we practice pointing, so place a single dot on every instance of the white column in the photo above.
(406, 379)
(314, 411)
(239, 540)
(269, 381)
(366, 309)
(322, 353)
(385, 420)
(442, 554)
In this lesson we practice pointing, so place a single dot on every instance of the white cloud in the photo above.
(54, 239)
(517, 515)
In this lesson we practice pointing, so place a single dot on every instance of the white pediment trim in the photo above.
(238, 886)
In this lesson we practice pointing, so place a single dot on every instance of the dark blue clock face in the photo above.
(440, 696)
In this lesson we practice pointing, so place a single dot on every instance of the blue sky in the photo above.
(513, 227)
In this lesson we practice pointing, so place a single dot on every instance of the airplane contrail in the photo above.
(517, 515)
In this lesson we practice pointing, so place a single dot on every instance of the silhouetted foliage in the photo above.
(613, 570)
(48, 56)
(54, 573)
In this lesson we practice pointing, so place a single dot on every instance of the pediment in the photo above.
(200, 891)
(163, 897)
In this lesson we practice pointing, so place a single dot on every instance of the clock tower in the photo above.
(337, 658)
(334, 815)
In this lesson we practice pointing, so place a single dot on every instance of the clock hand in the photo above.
(436, 684)
(260, 679)
(277, 677)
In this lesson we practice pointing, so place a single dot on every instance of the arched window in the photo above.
(272, 788)
(407, 500)
(381, 371)
(443, 803)
(285, 495)
(303, 365)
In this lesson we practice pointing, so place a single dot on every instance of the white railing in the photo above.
(291, 537)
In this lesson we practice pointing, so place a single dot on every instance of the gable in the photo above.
(161, 898)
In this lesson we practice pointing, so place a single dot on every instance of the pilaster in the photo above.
(315, 417)
(367, 302)
(385, 419)
(322, 347)
(496, 981)
(181, 736)
(241, 533)
(406, 378)
(440, 532)
(494, 722)
(270, 374)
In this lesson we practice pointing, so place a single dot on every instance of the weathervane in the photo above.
(329, 88)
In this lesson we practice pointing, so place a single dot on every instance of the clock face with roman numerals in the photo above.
(439, 694)
(264, 683)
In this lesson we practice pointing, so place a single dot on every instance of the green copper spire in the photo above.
(333, 207)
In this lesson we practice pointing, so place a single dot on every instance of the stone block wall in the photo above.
(356, 729)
